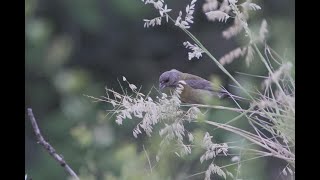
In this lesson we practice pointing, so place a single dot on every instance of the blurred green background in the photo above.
(79, 47)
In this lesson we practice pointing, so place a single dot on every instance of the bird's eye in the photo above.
(167, 80)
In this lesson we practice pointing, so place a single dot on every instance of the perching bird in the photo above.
(196, 89)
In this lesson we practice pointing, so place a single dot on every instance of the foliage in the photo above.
(81, 48)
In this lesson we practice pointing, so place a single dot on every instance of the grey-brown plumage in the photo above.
(196, 89)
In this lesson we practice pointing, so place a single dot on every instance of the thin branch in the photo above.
(48, 147)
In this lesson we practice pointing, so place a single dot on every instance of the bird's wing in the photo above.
(194, 96)
(197, 82)
(200, 84)
(204, 85)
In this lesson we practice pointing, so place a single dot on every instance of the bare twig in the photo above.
(48, 147)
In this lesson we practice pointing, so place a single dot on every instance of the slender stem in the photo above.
(253, 138)
(236, 110)
(147, 158)
(270, 71)
(199, 173)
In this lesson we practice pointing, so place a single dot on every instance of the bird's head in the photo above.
(169, 79)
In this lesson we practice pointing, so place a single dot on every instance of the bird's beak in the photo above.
(161, 86)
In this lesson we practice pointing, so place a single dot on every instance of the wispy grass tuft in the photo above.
(271, 113)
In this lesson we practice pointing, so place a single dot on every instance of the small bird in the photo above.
(196, 89)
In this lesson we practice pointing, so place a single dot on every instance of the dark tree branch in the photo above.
(49, 148)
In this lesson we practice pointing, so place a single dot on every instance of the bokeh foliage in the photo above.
(79, 47)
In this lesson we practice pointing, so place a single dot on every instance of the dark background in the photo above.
(79, 47)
